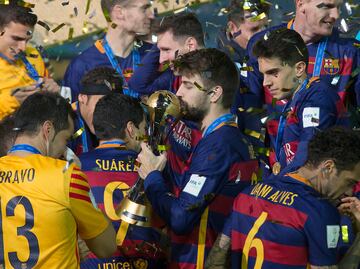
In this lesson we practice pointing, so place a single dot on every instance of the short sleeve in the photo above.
(90, 221)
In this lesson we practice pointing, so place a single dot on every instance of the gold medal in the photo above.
(276, 168)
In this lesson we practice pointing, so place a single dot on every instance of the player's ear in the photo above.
(300, 69)
(130, 130)
(328, 168)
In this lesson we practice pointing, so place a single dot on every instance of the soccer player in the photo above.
(292, 221)
(311, 104)
(45, 201)
(119, 49)
(244, 19)
(331, 57)
(22, 68)
(177, 35)
(94, 85)
(220, 166)
(120, 125)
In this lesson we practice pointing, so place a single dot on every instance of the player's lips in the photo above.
(329, 23)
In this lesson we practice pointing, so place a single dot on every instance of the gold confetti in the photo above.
(87, 6)
(71, 33)
(43, 24)
(57, 28)
(78, 133)
(25, 4)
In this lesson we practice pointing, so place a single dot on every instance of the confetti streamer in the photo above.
(87, 6)
(57, 28)
(44, 25)
(71, 33)
(25, 4)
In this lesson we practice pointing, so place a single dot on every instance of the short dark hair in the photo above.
(101, 80)
(17, 14)
(214, 67)
(41, 107)
(182, 26)
(108, 5)
(285, 44)
(236, 9)
(7, 134)
(339, 144)
(113, 112)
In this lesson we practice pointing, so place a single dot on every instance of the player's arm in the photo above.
(147, 78)
(319, 113)
(219, 256)
(206, 176)
(93, 227)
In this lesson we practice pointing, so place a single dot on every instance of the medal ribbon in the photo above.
(24, 147)
(116, 65)
(226, 119)
(29, 68)
(319, 53)
(31, 71)
(282, 123)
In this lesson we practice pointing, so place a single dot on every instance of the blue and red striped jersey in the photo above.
(111, 172)
(316, 107)
(341, 58)
(93, 57)
(283, 223)
(182, 140)
(220, 166)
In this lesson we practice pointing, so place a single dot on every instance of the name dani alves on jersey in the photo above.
(281, 197)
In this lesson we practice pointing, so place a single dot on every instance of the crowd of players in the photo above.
(262, 171)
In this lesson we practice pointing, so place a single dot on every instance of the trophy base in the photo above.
(134, 213)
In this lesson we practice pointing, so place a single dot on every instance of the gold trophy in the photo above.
(164, 112)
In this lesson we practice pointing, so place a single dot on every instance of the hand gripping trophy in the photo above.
(164, 112)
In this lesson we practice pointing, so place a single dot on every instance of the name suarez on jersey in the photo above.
(17, 176)
(281, 197)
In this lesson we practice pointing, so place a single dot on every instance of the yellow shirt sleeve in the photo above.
(8, 105)
(90, 221)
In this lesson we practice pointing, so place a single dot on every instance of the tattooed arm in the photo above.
(219, 256)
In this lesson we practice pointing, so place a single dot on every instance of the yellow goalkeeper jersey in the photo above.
(15, 75)
(44, 205)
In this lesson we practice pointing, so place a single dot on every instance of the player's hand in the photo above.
(149, 161)
(22, 93)
(83, 250)
(351, 206)
(50, 85)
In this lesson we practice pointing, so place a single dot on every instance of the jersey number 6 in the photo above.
(252, 242)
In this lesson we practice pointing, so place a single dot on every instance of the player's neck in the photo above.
(214, 113)
(120, 41)
(31, 141)
(307, 35)
(242, 41)
(302, 79)
(310, 174)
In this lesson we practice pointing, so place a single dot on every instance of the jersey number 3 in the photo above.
(24, 230)
(252, 242)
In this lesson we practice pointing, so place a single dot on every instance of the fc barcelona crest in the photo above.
(331, 66)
